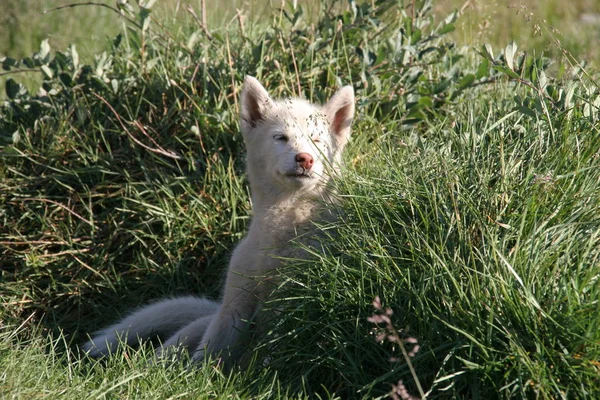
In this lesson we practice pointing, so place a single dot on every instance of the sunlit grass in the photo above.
(538, 24)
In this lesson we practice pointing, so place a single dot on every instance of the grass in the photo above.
(39, 366)
(470, 207)
(538, 24)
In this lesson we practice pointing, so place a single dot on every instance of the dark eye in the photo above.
(281, 138)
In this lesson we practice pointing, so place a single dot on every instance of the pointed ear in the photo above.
(254, 103)
(340, 112)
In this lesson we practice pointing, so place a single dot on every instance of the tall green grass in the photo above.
(469, 205)
(483, 239)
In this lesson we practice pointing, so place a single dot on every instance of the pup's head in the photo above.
(293, 145)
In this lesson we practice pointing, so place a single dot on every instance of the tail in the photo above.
(160, 319)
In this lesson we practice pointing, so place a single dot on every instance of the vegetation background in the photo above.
(471, 194)
(25, 23)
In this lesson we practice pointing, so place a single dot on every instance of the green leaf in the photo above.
(147, 4)
(506, 71)
(483, 70)
(145, 24)
(298, 15)
(117, 40)
(193, 39)
(424, 102)
(443, 85)
(16, 137)
(446, 29)
(543, 80)
(144, 13)
(487, 52)
(29, 63)
(74, 56)
(44, 49)
(415, 116)
(65, 79)
(553, 92)
(451, 17)
(466, 81)
(12, 88)
(509, 54)
(124, 7)
(569, 95)
(416, 36)
(47, 71)
(534, 74)
(8, 63)
(527, 111)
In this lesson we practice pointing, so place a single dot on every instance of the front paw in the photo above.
(219, 360)
(170, 353)
(199, 355)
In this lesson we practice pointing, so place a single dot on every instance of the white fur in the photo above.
(286, 193)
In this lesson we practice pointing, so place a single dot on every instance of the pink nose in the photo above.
(305, 160)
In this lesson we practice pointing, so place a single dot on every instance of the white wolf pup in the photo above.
(293, 149)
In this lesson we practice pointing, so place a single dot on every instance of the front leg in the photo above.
(222, 337)
(244, 288)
